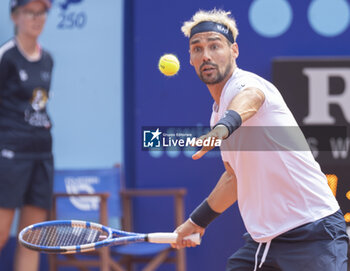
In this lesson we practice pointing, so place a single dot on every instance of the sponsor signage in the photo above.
(318, 93)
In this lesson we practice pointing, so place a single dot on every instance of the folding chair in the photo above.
(96, 195)
(90, 195)
(152, 254)
(80, 262)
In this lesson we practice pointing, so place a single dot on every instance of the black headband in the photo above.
(209, 26)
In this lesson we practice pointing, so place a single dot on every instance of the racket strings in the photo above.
(62, 235)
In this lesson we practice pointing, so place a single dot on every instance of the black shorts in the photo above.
(26, 180)
(317, 246)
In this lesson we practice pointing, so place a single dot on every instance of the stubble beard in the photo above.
(219, 76)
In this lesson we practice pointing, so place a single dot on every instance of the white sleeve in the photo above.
(243, 83)
(224, 156)
(249, 82)
(224, 151)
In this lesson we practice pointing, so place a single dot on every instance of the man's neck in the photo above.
(216, 89)
(28, 46)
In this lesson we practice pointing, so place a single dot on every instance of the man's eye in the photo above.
(197, 49)
(214, 46)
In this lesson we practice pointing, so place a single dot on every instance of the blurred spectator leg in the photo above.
(26, 259)
(6, 217)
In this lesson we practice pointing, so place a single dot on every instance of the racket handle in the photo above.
(168, 238)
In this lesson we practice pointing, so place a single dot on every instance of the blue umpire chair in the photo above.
(99, 196)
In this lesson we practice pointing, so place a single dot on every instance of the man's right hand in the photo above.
(184, 230)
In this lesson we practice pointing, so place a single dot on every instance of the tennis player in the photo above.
(292, 218)
(26, 162)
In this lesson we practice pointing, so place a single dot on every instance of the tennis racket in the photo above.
(74, 236)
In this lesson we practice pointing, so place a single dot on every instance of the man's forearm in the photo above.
(224, 194)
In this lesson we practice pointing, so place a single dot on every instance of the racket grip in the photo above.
(168, 238)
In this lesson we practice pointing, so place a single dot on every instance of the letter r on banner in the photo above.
(320, 98)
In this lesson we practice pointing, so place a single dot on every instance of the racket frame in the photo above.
(113, 237)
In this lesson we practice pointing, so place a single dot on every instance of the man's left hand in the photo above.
(219, 132)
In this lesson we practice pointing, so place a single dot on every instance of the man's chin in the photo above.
(209, 81)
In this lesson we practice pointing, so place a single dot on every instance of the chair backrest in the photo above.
(88, 181)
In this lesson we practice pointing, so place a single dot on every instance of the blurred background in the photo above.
(106, 87)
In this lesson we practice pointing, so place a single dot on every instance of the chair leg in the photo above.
(130, 265)
(157, 261)
(115, 266)
(104, 259)
(180, 260)
(52, 263)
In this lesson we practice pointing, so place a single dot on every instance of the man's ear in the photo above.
(234, 49)
(14, 16)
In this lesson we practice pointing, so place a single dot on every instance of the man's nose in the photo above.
(206, 55)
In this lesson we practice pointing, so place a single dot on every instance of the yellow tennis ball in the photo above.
(169, 65)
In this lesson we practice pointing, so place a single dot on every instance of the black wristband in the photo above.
(231, 120)
(203, 214)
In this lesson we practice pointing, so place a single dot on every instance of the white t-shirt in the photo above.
(280, 186)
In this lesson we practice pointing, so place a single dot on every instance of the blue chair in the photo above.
(98, 195)
(153, 254)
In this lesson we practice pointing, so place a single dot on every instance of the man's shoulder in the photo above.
(46, 55)
(247, 75)
(243, 79)
(240, 80)
(7, 49)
